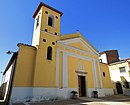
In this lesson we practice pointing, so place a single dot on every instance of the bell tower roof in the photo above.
(45, 5)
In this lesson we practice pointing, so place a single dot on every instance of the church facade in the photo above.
(55, 65)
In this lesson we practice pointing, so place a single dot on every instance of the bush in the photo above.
(74, 92)
(95, 92)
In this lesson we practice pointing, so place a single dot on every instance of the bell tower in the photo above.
(47, 19)
(46, 33)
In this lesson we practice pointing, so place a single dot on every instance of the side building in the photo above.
(55, 65)
(119, 71)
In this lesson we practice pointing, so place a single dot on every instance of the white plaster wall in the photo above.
(44, 92)
(6, 79)
(23, 94)
(65, 93)
(36, 37)
(126, 74)
(105, 92)
(104, 58)
(36, 32)
(115, 74)
(101, 92)
(90, 92)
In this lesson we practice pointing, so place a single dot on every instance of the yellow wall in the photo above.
(72, 76)
(80, 46)
(107, 83)
(88, 52)
(45, 70)
(89, 70)
(25, 66)
(72, 67)
(45, 21)
(38, 71)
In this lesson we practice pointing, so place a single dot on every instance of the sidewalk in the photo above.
(57, 102)
(91, 99)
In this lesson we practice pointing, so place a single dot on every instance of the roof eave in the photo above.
(14, 56)
(43, 4)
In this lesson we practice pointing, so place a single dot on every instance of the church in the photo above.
(54, 65)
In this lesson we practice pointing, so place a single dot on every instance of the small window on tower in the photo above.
(56, 17)
(51, 20)
(53, 43)
(46, 12)
(46, 30)
(44, 40)
(49, 53)
(55, 33)
(37, 22)
(104, 74)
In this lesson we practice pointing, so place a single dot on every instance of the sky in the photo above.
(104, 23)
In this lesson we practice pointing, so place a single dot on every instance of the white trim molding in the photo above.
(100, 75)
(70, 41)
(57, 68)
(65, 70)
(95, 74)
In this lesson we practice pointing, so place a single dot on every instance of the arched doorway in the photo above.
(119, 88)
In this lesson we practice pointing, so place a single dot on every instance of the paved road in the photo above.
(111, 100)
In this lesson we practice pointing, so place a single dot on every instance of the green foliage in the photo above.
(74, 92)
(95, 92)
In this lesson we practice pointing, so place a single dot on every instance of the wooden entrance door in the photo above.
(82, 86)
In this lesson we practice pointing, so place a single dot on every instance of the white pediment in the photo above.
(79, 43)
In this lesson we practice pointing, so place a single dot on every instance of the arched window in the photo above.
(49, 53)
(51, 21)
(104, 74)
